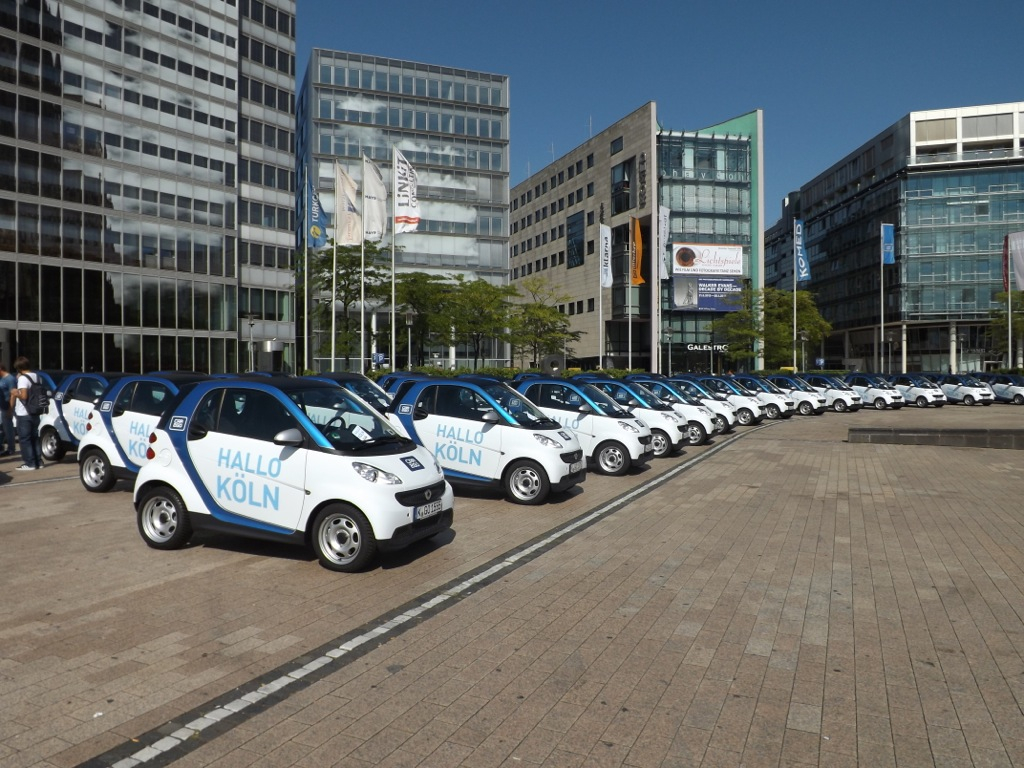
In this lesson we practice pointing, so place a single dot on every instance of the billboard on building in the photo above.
(705, 294)
(706, 259)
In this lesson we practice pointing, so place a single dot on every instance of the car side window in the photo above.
(255, 414)
(460, 403)
(124, 399)
(150, 398)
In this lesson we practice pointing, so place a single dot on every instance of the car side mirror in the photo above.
(491, 417)
(585, 408)
(197, 431)
(419, 413)
(291, 437)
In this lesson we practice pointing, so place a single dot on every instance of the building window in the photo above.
(616, 145)
(574, 240)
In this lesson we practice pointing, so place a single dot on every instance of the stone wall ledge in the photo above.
(959, 438)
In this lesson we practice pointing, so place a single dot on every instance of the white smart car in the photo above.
(291, 460)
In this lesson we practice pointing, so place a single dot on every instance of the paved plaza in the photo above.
(779, 598)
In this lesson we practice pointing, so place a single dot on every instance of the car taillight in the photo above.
(150, 453)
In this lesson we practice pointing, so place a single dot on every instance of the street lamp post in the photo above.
(962, 338)
(666, 330)
(408, 333)
(803, 350)
(252, 357)
(888, 349)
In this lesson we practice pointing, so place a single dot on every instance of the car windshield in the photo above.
(771, 386)
(672, 392)
(654, 401)
(518, 408)
(799, 384)
(608, 406)
(878, 382)
(370, 392)
(346, 421)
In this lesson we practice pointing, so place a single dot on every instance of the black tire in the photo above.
(696, 434)
(939, 405)
(879, 403)
(661, 442)
(744, 417)
(612, 458)
(723, 424)
(526, 482)
(805, 408)
(986, 402)
(95, 472)
(52, 446)
(343, 539)
(162, 518)
(839, 405)
(922, 401)
(968, 399)
(772, 411)
(1018, 399)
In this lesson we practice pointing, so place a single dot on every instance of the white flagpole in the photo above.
(629, 300)
(881, 297)
(394, 228)
(305, 274)
(794, 295)
(334, 271)
(600, 314)
(362, 278)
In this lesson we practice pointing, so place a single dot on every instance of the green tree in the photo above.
(537, 327)
(353, 276)
(766, 318)
(421, 294)
(997, 330)
(476, 310)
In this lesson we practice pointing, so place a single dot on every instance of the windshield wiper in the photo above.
(382, 440)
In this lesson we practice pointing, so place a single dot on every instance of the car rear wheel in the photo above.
(95, 472)
(744, 417)
(879, 403)
(52, 446)
(1018, 399)
(805, 408)
(696, 434)
(343, 539)
(922, 401)
(968, 399)
(162, 518)
(612, 458)
(839, 405)
(526, 482)
(772, 411)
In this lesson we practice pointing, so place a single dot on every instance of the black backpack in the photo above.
(38, 401)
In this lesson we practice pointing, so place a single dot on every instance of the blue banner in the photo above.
(803, 266)
(317, 221)
(888, 244)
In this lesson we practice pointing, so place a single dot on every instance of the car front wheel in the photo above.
(772, 411)
(839, 405)
(745, 417)
(612, 458)
(1018, 399)
(879, 403)
(968, 400)
(806, 409)
(526, 482)
(696, 434)
(343, 539)
(662, 445)
(95, 472)
(162, 518)
(922, 401)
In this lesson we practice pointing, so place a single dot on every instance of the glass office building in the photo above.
(951, 182)
(678, 189)
(451, 124)
(120, 127)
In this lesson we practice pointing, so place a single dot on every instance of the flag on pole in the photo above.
(348, 226)
(803, 267)
(375, 202)
(888, 245)
(665, 263)
(407, 206)
(317, 220)
(1016, 259)
(605, 239)
(636, 256)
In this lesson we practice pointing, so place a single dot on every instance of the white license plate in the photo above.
(427, 510)
(575, 467)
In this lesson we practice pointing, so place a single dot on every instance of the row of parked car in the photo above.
(259, 454)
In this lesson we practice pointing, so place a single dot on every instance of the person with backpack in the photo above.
(7, 384)
(28, 423)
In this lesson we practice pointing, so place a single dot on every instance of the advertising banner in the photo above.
(706, 259)
(705, 294)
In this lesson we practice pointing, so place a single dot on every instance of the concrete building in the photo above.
(126, 232)
(452, 125)
(951, 181)
(696, 192)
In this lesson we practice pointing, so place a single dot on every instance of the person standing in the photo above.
(28, 425)
(7, 384)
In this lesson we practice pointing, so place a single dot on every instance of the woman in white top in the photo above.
(28, 425)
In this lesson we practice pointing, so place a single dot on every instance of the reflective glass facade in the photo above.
(952, 183)
(119, 199)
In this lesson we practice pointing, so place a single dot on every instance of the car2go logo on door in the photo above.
(294, 460)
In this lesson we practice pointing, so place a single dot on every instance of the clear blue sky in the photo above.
(828, 74)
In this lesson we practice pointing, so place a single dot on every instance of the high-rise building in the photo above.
(126, 229)
(452, 125)
(683, 211)
(951, 184)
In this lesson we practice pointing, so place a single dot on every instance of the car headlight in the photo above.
(546, 441)
(670, 417)
(373, 475)
(628, 427)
